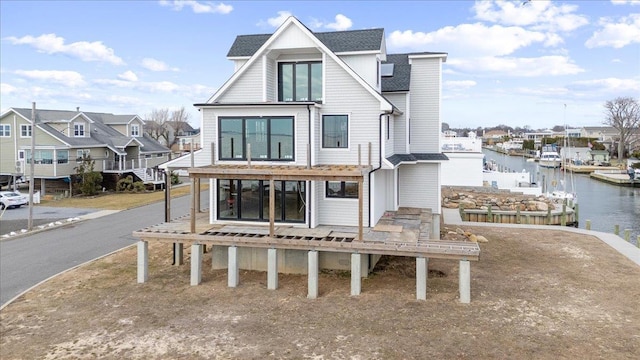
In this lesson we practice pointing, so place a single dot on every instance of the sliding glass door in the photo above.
(249, 200)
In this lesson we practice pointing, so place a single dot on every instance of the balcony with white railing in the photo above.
(123, 165)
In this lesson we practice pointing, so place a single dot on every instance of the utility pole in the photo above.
(32, 164)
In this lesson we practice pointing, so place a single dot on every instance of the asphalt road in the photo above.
(28, 260)
(17, 218)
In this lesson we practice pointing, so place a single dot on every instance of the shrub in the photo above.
(125, 184)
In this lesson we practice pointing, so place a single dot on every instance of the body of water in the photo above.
(604, 204)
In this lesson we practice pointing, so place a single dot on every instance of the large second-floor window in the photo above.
(300, 81)
(78, 130)
(5, 130)
(135, 130)
(269, 138)
(335, 131)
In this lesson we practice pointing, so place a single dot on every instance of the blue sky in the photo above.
(509, 62)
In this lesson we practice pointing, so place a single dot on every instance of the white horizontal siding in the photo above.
(462, 169)
(419, 186)
(341, 211)
(363, 111)
(425, 105)
(399, 100)
(246, 88)
(366, 66)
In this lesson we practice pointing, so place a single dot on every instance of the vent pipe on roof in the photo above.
(77, 108)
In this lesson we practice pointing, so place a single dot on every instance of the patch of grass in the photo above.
(119, 200)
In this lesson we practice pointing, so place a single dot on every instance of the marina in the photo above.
(605, 205)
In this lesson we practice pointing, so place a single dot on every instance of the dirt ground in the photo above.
(535, 294)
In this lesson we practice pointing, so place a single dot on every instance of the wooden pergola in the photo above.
(271, 173)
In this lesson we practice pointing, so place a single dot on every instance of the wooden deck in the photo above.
(405, 232)
(398, 234)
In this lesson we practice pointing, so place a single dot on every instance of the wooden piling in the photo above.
(616, 229)
(548, 216)
(563, 218)
(489, 215)
(588, 225)
(627, 235)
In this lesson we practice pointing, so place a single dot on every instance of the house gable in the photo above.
(291, 41)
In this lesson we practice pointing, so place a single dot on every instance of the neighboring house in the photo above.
(187, 142)
(300, 101)
(169, 133)
(117, 143)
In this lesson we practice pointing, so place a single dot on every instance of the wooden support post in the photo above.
(627, 235)
(360, 208)
(272, 269)
(422, 265)
(143, 261)
(356, 276)
(549, 216)
(272, 207)
(193, 207)
(576, 212)
(518, 221)
(359, 155)
(198, 208)
(588, 225)
(312, 279)
(196, 264)
(308, 156)
(563, 218)
(489, 215)
(616, 229)
(249, 155)
(167, 195)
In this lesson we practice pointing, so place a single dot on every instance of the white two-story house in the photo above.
(302, 100)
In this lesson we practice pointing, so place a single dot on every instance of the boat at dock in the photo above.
(550, 159)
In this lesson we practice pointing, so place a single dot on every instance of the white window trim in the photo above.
(135, 127)
(8, 126)
(79, 126)
(30, 132)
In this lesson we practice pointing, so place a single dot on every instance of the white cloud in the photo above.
(198, 7)
(541, 15)
(123, 100)
(342, 23)
(520, 67)
(128, 76)
(625, 2)
(278, 20)
(613, 85)
(616, 34)
(6, 89)
(159, 86)
(470, 39)
(156, 65)
(459, 84)
(67, 78)
(83, 50)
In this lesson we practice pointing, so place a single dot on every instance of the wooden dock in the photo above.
(587, 169)
(615, 177)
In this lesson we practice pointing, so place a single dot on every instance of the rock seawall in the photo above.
(481, 197)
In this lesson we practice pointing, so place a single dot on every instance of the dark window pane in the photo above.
(227, 199)
(286, 82)
(256, 130)
(282, 139)
(250, 199)
(295, 206)
(316, 82)
(350, 189)
(335, 131)
(334, 189)
(302, 82)
(231, 139)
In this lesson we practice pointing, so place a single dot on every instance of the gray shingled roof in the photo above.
(101, 134)
(398, 158)
(336, 41)
(401, 78)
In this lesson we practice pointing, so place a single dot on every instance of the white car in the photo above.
(9, 199)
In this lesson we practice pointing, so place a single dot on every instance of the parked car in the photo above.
(9, 199)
